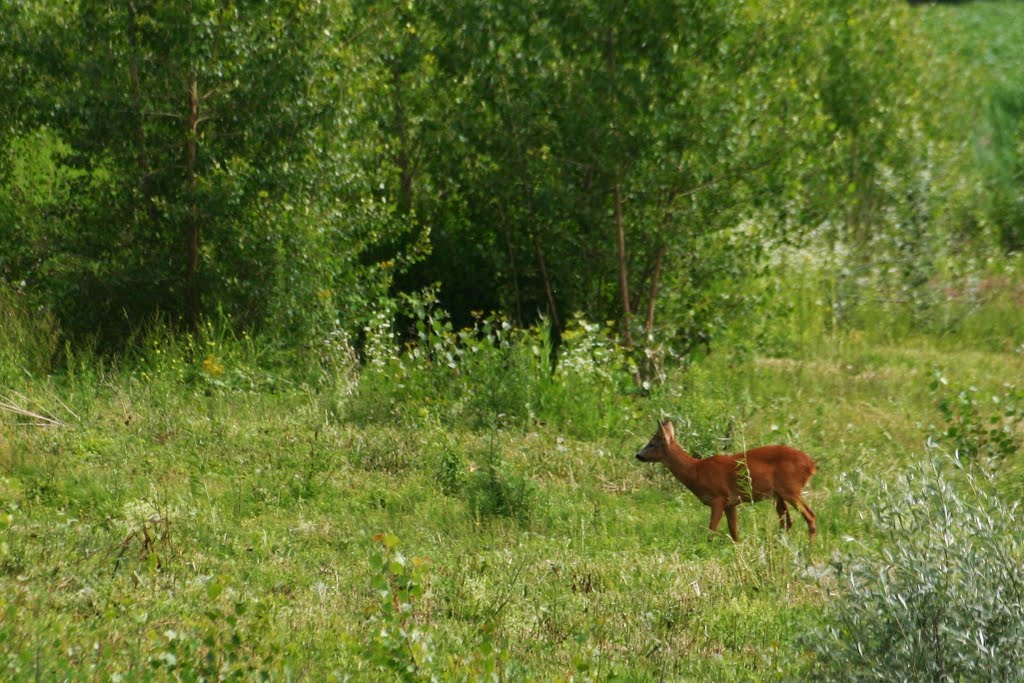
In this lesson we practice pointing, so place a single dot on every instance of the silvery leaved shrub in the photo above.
(941, 598)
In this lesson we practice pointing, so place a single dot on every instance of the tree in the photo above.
(206, 157)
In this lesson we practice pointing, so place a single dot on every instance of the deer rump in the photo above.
(758, 474)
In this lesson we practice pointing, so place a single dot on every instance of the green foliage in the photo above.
(7, 514)
(492, 373)
(450, 469)
(553, 552)
(813, 294)
(977, 429)
(303, 176)
(405, 312)
(401, 640)
(220, 647)
(985, 40)
(209, 137)
(213, 359)
(687, 80)
(940, 599)
(398, 643)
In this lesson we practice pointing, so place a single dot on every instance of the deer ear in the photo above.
(668, 430)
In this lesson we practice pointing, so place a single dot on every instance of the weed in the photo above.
(400, 639)
(450, 471)
(976, 428)
(221, 644)
(495, 489)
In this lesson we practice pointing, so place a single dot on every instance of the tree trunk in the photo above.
(402, 158)
(620, 235)
(548, 289)
(191, 222)
(515, 270)
(139, 132)
(652, 295)
(627, 315)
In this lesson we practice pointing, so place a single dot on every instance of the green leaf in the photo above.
(214, 589)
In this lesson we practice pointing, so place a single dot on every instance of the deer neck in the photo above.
(679, 462)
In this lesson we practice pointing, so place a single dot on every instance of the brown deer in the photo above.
(722, 482)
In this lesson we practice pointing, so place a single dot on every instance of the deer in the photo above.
(722, 482)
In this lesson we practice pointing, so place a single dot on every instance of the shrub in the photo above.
(941, 599)
(491, 374)
(496, 490)
(978, 428)
(398, 643)
(224, 643)
(450, 469)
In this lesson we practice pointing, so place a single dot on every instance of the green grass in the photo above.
(175, 519)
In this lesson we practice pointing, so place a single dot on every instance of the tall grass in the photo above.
(494, 375)
(818, 301)
(29, 341)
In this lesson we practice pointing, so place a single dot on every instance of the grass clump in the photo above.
(497, 489)
(29, 339)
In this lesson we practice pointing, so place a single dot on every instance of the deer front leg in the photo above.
(717, 508)
(734, 530)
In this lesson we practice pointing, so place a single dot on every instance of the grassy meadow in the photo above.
(195, 515)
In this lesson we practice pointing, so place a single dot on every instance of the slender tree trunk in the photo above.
(627, 315)
(548, 289)
(192, 223)
(133, 83)
(506, 233)
(652, 295)
(402, 159)
(620, 234)
(139, 132)
(659, 256)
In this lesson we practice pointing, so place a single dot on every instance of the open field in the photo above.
(179, 521)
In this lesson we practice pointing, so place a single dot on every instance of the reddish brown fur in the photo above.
(722, 482)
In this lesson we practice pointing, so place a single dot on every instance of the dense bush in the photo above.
(397, 146)
(942, 598)
(490, 374)
(976, 428)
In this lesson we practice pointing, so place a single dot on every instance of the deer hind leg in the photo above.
(785, 521)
